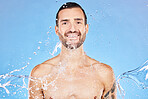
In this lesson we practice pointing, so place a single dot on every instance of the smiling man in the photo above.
(72, 74)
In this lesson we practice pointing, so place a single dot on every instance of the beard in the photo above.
(69, 45)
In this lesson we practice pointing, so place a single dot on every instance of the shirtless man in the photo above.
(72, 74)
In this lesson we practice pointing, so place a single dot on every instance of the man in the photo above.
(72, 74)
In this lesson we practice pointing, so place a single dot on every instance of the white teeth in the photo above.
(72, 35)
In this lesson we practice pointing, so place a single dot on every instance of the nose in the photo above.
(73, 28)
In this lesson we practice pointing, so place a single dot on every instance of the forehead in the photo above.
(70, 13)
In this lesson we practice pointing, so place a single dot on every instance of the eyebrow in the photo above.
(78, 19)
(64, 20)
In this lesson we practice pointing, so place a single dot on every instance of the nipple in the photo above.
(72, 97)
(95, 97)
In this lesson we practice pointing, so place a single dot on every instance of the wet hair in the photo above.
(69, 5)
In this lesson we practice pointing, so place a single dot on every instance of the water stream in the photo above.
(138, 75)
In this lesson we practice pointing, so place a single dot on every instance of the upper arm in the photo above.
(35, 89)
(110, 94)
(109, 84)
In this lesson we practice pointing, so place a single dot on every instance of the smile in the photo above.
(73, 36)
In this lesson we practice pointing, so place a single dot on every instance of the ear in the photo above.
(87, 27)
(56, 30)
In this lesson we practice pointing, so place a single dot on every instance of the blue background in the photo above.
(118, 36)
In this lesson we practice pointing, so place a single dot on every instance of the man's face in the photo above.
(71, 27)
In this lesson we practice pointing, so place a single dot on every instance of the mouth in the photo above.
(72, 36)
(72, 40)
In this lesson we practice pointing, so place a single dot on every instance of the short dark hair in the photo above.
(70, 5)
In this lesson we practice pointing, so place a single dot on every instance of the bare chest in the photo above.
(79, 85)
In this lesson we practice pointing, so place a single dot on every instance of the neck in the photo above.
(72, 57)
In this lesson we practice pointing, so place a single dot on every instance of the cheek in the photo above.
(82, 30)
(61, 30)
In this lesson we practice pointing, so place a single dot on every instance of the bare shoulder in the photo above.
(98, 65)
(103, 70)
(105, 73)
(44, 68)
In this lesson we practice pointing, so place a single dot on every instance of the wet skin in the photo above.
(56, 81)
(72, 74)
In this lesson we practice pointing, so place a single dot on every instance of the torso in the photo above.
(55, 81)
(82, 84)
(64, 83)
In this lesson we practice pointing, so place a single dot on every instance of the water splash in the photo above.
(13, 79)
(58, 45)
(9, 81)
(138, 75)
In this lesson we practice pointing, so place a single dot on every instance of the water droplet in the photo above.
(34, 53)
(39, 42)
(14, 93)
(38, 47)
(48, 32)
(28, 63)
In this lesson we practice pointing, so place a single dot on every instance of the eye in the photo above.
(64, 23)
(79, 23)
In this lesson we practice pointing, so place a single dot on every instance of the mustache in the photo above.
(69, 32)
